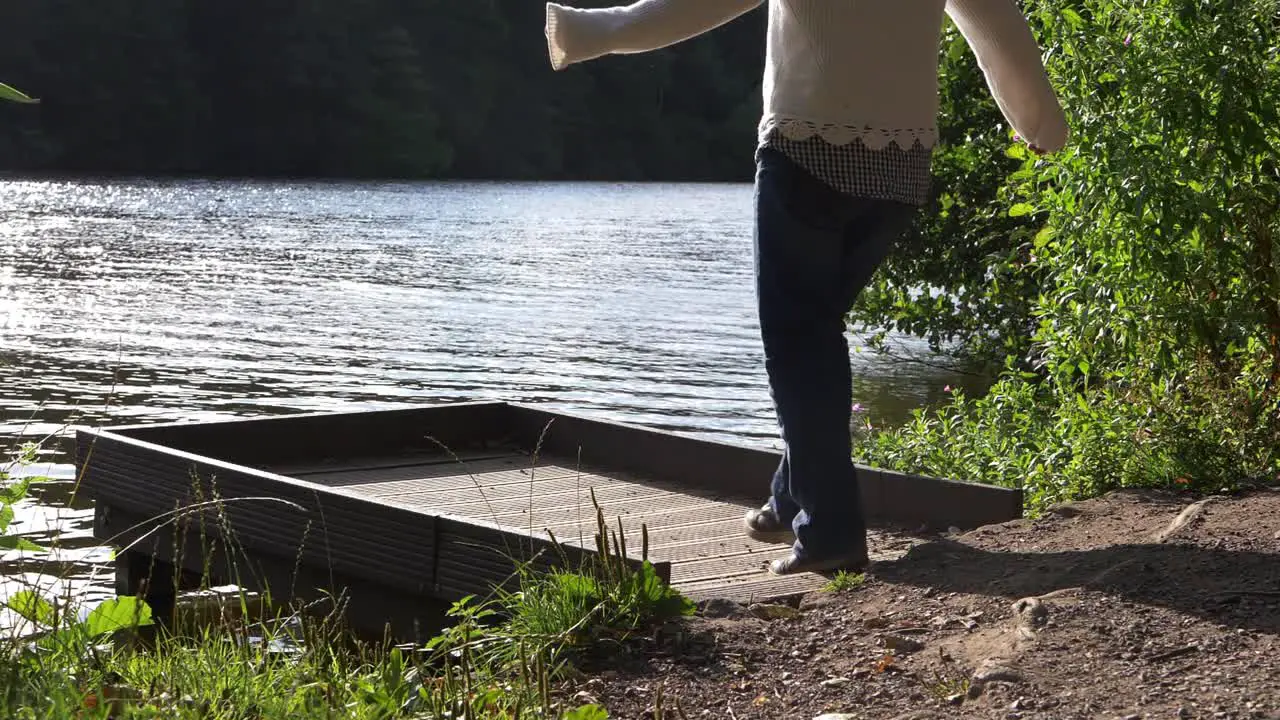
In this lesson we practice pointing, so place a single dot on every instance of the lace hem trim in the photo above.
(555, 44)
(841, 134)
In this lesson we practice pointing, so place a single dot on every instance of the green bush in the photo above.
(1153, 357)
(1065, 447)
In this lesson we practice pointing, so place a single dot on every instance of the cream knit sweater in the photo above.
(842, 69)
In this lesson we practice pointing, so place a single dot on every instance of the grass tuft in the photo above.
(947, 682)
(845, 581)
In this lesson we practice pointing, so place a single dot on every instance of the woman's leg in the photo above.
(815, 249)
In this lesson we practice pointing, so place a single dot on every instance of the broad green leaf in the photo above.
(30, 605)
(663, 600)
(12, 491)
(1043, 236)
(118, 614)
(1020, 209)
(10, 542)
(575, 585)
(14, 95)
(586, 712)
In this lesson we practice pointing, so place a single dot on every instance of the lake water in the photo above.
(134, 301)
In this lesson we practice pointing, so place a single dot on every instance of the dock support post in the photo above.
(155, 580)
(145, 569)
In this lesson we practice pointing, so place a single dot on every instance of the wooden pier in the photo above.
(407, 510)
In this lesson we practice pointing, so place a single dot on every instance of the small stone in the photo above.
(722, 608)
(770, 611)
(837, 716)
(835, 682)
(900, 643)
(1063, 510)
(991, 672)
(875, 623)
(1032, 614)
(786, 675)
(957, 699)
(1133, 716)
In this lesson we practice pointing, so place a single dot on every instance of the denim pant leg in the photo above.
(815, 250)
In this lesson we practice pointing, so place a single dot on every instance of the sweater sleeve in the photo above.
(576, 35)
(1009, 57)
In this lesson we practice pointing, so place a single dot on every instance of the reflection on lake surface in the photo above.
(131, 301)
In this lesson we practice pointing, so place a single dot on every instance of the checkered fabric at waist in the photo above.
(855, 169)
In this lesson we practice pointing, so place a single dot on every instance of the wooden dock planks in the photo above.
(701, 536)
(407, 509)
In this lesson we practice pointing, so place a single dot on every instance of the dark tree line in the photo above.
(364, 88)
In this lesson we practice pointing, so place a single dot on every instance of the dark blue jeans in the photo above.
(815, 249)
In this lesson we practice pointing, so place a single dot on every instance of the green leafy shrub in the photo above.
(1154, 357)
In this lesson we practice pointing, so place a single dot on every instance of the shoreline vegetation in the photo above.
(1128, 287)
(227, 653)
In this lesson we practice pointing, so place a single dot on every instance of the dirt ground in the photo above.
(1134, 605)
